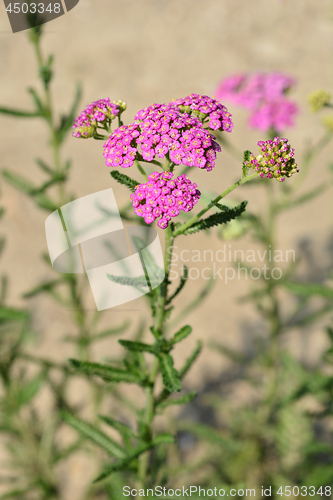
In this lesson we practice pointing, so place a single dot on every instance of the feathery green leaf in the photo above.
(219, 218)
(125, 180)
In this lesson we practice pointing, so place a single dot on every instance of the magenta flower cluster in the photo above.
(275, 161)
(97, 113)
(163, 197)
(264, 94)
(162, 129)
(207, 110)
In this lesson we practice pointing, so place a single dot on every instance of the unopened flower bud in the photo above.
(318, 99)
(122, 105)
(99, 113)
(276, 160)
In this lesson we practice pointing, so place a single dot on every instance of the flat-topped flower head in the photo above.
(150, 202)
(97, 114)
(264, 94)
(208, 110)
(276, 160)
(160, 130)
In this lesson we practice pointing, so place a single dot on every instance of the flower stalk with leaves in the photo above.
(180, 133)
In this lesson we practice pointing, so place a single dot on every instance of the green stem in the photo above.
(55, 145)
(141, 170)
(149, 413)
(241, 181)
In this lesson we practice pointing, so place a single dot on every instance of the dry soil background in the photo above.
(146, 51)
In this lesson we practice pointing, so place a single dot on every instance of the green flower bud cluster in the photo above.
(275, 161)
(319, 99)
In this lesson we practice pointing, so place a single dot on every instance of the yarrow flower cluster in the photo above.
(163, 197)
(206, 109)
(97, 114)
(276, 160)
(162, 129)
(264, 94)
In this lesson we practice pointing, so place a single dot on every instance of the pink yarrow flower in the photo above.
(168, 129)
(149, 202)
(264, 94)
(98, 113)
(208, 110)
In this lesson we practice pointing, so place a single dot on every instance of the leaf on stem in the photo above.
(171, 378)
(124, 179)
(18, 112)
(219, 218)
(310, 289)
(95, 435)
(24, 185)
(180, 335)
(137, 346)
(180, 401)
(183, 280)
(44, 287)
(36, 99)
(10, 314)
(110, 332)
(190, 360)
(137, 282)
(68, 120)
(106, 372)
(123, 429)
(125, 463)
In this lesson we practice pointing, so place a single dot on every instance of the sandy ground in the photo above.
(147, 51)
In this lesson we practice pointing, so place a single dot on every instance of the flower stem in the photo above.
(149, 412)
(141, 170)
(243, 180)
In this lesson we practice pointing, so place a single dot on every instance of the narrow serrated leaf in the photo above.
(125, 180)
(182, 283)
(106, 372)
(137, 346)
(170, 375)
(309, 289)
(95, 435)
(180, 401)
(123, 429)
(190, 360)
(19, 112)
(10, 314)
(181, 335)
(44, 287)
(123, 464)
(219, 218)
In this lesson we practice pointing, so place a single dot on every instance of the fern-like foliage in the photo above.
(124, 179)
(137, 282)
(219, 218)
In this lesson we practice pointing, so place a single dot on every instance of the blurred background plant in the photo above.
(280, 432)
